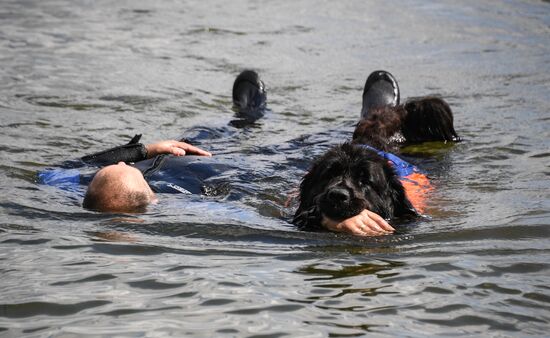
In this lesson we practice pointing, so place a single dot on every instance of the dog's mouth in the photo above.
(340, 203)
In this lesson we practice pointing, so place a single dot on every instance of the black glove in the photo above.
(131, 152)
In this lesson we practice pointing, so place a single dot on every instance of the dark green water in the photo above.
(80, 76)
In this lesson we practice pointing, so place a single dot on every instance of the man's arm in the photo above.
(135, 152)
(68, 177)
(175, 148)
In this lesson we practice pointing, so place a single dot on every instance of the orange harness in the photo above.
(416, 184)
(417, 187)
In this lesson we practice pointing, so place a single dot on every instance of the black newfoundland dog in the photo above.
(358, 175)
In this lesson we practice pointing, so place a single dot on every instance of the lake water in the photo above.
(80, 76)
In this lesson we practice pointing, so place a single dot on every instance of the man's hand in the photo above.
(175, 148)
(367, 223)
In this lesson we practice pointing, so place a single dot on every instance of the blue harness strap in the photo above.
(402, 168)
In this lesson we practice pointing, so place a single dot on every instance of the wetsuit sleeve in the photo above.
(68, 178)
(131, 152)
(64, 179)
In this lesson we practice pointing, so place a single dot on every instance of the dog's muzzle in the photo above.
(339, 202)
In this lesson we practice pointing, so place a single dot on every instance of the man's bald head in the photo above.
(118, 188)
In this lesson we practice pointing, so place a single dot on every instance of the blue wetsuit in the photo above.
(188, 175)
(164, 173)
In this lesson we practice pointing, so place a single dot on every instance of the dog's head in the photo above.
(346, 180)
(381, 128)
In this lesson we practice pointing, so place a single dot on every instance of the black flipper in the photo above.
(381, 90)
(249, 97)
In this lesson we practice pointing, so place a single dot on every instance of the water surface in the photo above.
(80, 76)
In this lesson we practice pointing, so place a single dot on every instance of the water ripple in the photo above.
(23, 310)
(95, 278)
(272, 308)
(77, 77)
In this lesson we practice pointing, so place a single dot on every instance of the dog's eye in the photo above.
(364, 178)
(332, 171)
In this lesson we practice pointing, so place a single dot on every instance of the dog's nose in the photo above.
(338, 195)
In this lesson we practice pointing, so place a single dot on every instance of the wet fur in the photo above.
(369, 180)
(419, 120)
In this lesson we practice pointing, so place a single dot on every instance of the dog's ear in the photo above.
(428, 119)
(308, 219)
(307, 213)
(314, 183)
(306, 187)
(399, 203)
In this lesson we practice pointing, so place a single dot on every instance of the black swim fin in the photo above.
(248, 91)
(381, 90)
(249, 98)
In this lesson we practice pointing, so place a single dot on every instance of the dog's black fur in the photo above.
(344, 181)
(419, 120)
(350, 178)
